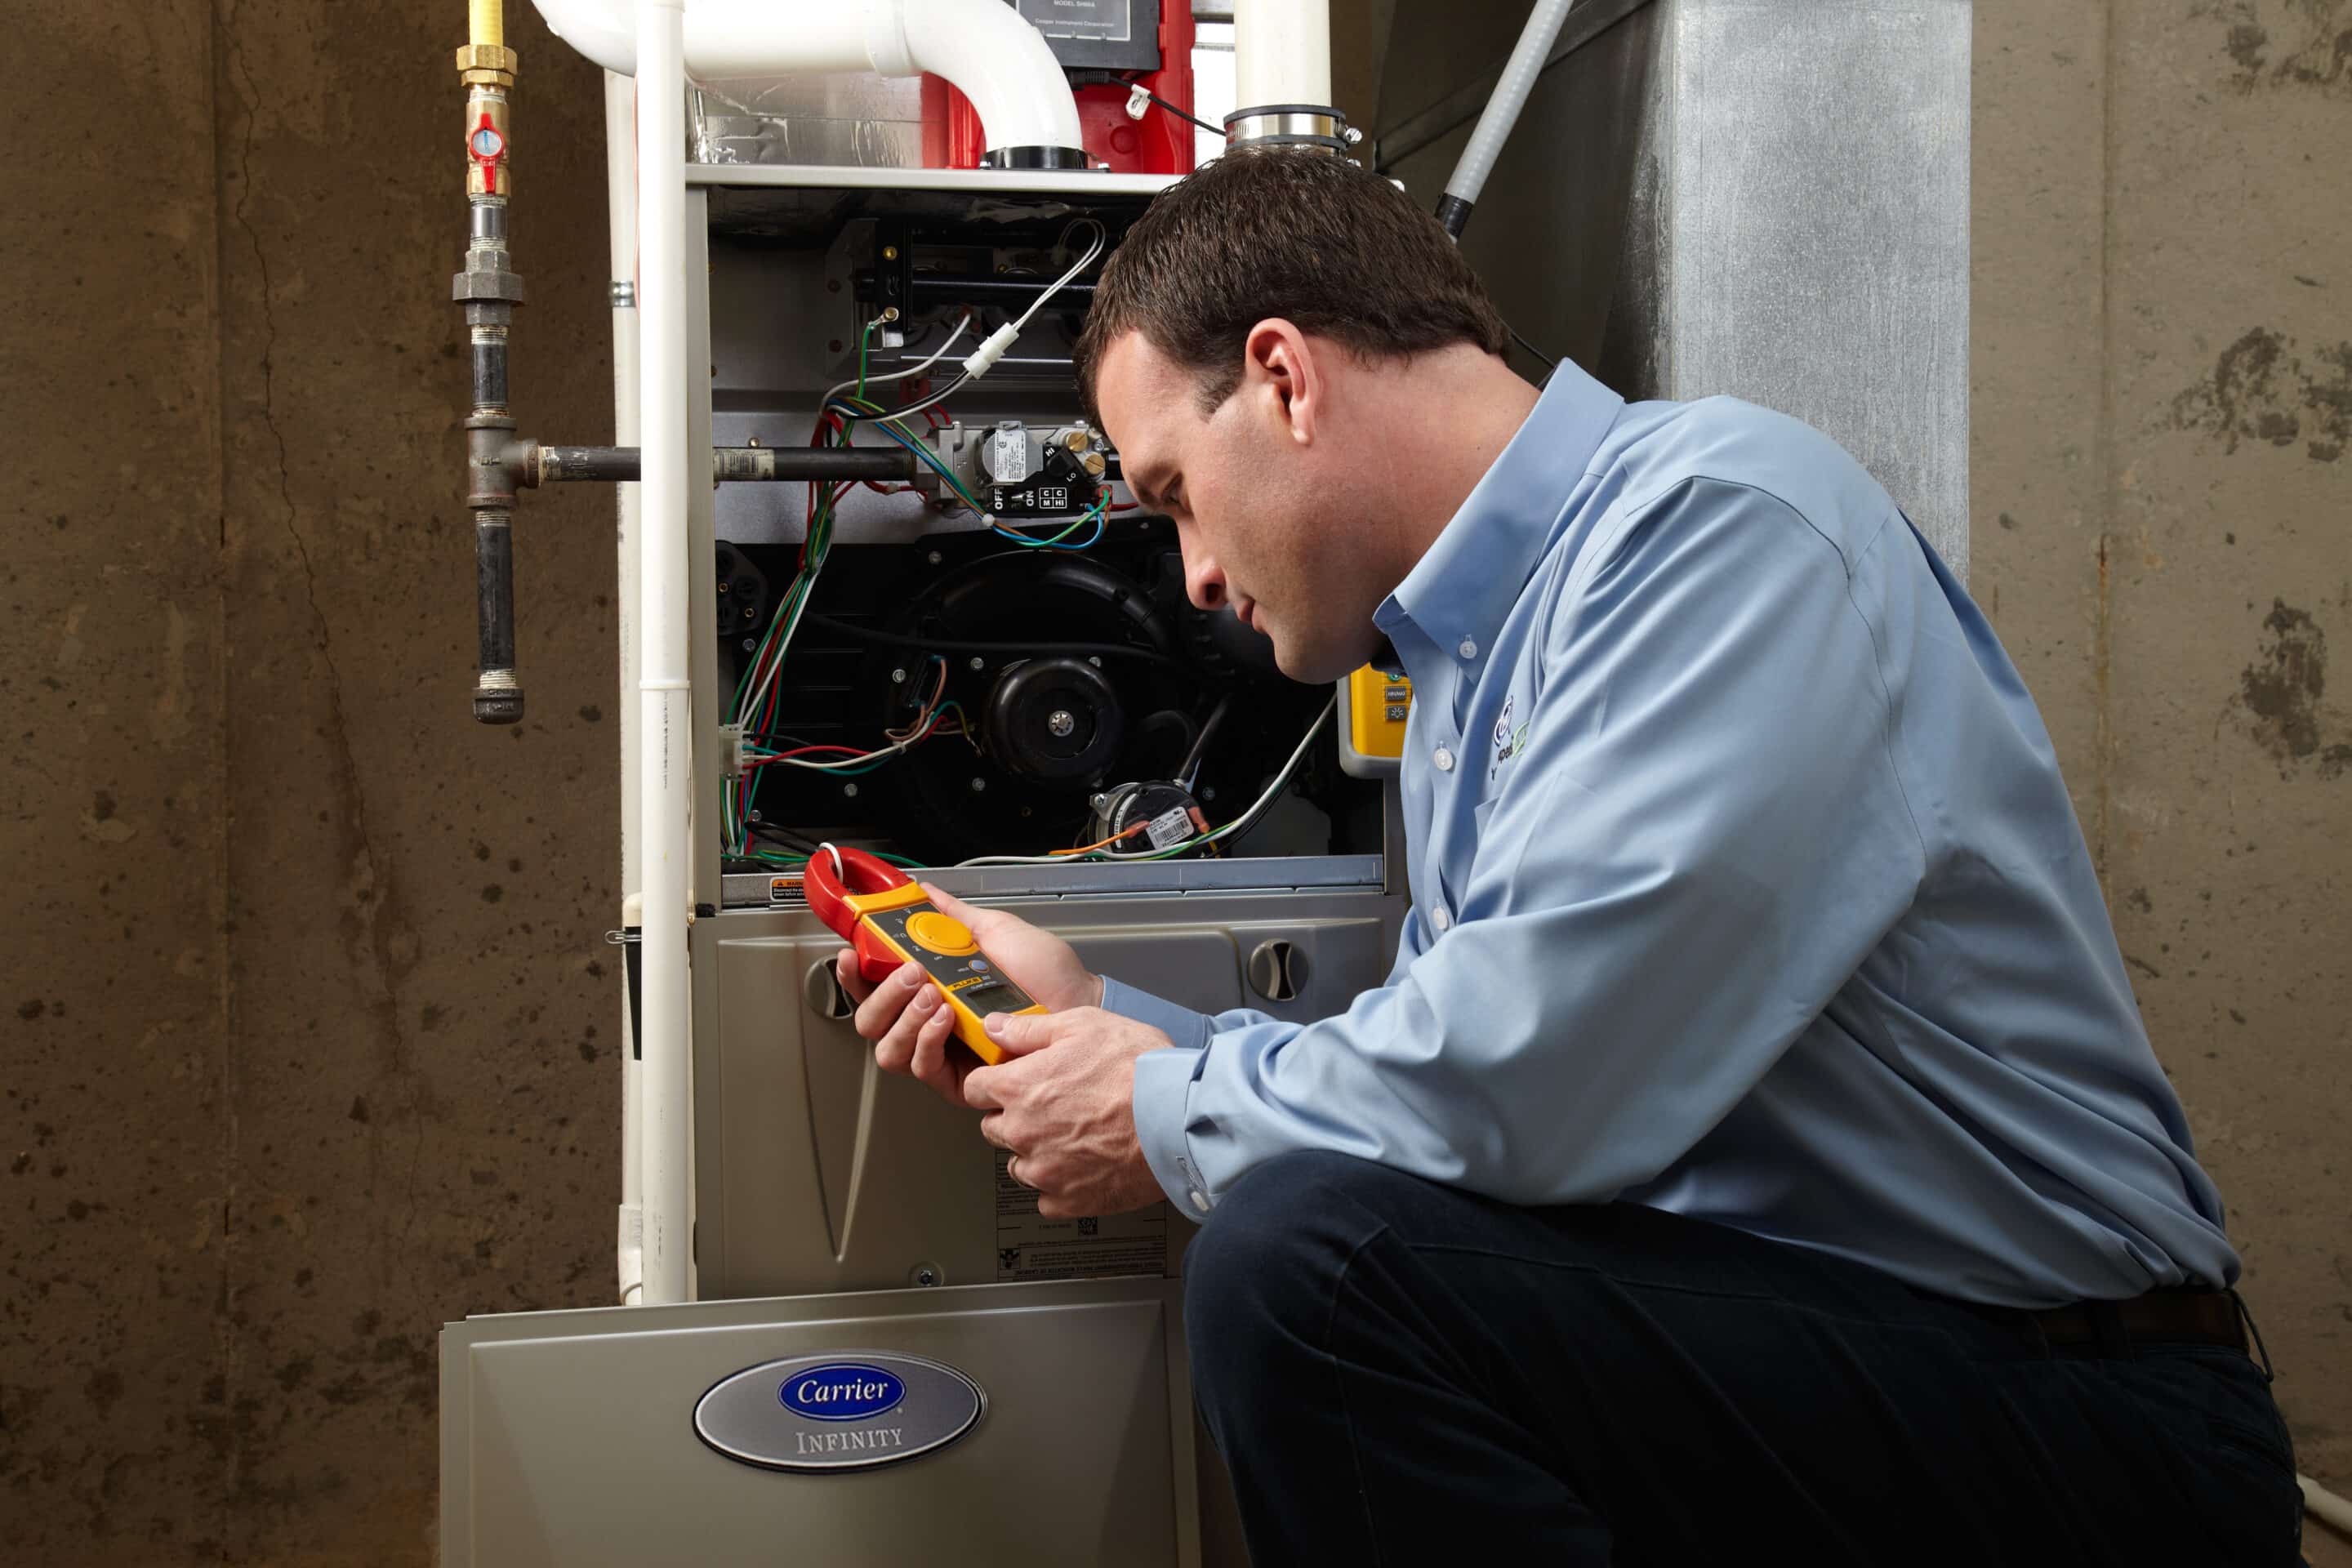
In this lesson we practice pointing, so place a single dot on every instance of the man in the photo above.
(1756, 1148)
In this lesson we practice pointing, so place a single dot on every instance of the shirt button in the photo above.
(1199, 1200)
(1444, 760)
(1468, 649)
(1442, 920)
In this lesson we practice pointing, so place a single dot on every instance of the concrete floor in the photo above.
(311, 1026)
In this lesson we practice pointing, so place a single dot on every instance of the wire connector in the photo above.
(983, 359)
(730, 751)
(1138, 101)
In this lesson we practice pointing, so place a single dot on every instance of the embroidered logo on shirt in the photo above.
(1509, 742)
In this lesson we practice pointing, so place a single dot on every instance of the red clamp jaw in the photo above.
(844, 886)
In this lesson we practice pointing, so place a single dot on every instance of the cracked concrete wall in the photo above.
(2163, 534)
(310, 1032)
(309, 1027)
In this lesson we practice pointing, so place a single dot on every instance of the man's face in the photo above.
(1263, 515)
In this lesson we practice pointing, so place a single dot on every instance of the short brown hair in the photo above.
(1333, 248)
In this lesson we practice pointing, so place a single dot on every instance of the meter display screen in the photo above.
(993, 996)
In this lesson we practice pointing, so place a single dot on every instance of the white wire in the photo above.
(836, 390)
(1102, 237)
(1240, 824)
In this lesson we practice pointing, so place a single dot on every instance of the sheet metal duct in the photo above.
(1767, 198)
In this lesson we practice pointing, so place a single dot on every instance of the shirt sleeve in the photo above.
(1704, 837)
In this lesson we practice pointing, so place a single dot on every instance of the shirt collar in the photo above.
(1471, 576)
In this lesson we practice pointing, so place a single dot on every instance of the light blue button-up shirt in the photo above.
(1744, 886)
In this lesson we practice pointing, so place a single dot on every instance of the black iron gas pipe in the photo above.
(728, 464)
(490, 289)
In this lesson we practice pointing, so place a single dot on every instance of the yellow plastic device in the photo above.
(889, 920)
(1376, 704)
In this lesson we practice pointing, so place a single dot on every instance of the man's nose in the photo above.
(1204, 583)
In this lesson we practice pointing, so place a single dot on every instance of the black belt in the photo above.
(2192, 1317)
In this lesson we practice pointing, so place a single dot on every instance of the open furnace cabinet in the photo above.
(843, 1218)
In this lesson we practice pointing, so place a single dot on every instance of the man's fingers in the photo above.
(845, 971)
(991, 1127)
(1019, 1033)
(933, 1040)
(886, 1002)
(952, 905)
(895, 1051)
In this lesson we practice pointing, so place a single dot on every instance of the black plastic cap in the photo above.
(503, 706)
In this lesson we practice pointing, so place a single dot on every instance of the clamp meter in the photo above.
(881, 912)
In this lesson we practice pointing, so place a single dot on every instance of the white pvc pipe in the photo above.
(2326, 1505)
(620, 203)
(1282, 52)
(1510, 95)
(997, 59)
(665, 785)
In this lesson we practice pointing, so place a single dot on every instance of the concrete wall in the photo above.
(2162, 525)
(309, 1029)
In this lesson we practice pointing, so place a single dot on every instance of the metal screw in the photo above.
(751, 440)
(978, 662)
(850, 790)
(1060, 722)
(890, 253)
(1099, 801)
(753, 816)
(897, 677)
(935, 558)
(1352, 136)
(1208, 794)
(978, 785)
(750, 643)
(1094, 659)
(927, 1276)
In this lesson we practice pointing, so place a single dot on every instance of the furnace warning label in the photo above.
(1031, 1246)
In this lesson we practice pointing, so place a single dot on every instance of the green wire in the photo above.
(862, 339)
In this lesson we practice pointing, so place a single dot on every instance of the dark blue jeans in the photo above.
(1399, 1373)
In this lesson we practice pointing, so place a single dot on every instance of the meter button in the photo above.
(940, 933)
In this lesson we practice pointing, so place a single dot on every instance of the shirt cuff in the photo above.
(1180, 1025)
(1163, 1082)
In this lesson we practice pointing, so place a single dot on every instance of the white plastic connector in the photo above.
(731, 750)
(1138, 101)
(983, 359)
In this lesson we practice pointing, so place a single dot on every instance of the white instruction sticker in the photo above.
(1031, 1246)
(1171, 826)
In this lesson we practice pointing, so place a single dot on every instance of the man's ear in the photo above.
(1282, 378)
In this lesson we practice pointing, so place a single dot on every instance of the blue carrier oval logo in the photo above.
(844, 1391)
(846, 1410)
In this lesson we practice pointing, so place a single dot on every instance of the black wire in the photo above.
(1201, 741)
(939, 645)
(1549, 363)
(1216, 131)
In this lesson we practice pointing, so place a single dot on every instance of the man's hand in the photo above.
(910, 1027)
(1063, 1102)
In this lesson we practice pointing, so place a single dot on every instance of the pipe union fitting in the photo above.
(495, 59)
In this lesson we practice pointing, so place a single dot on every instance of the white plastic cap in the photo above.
(983, 358)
